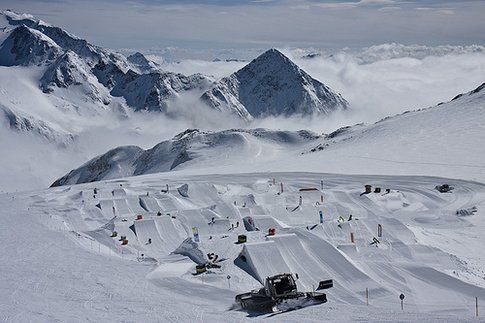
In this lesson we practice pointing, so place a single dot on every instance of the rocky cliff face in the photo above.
(27, 46)
(100, 74)
(272, 85)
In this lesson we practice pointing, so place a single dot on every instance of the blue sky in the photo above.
(263, 23)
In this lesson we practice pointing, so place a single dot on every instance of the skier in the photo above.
(149, 241)
(350, 218)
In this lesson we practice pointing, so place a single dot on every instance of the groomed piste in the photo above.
(141, 244)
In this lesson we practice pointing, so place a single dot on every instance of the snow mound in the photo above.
(428, 254)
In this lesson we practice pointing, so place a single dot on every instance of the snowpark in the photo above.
(282, 184)
(125, 249)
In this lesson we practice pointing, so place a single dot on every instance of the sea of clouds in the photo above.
(378, 81)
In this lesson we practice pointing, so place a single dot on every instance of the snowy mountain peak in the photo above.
(142, 63)
(67, 41)
(21, 17)
(67, 70)
(94, 73)
(70, 70)
(274, 56)
(272, 85)
(27, 46)
(153, 91)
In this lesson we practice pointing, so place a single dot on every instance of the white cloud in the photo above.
(380, 81)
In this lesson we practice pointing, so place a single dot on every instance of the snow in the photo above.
(438, 267)
(61, 263)
(440, 140)
(84, 100)
(144, 65)
(272, 85)
(191, 147)
(70, 70)
(90, 72)
(26, 46)
(153, 91)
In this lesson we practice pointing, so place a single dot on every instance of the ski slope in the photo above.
(426, 250)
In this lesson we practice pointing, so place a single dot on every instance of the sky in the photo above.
(196, 24)
(378, 81)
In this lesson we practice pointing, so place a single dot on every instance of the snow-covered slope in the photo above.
(142, 63)
(69, 70)
(154, 91)
(66, 40)
(191, 147)
(26, 46)
(272, 85)
(426, 251)
(95, 74)
(443, 140)
(28, 124)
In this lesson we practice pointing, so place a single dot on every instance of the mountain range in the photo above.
(76, 75)
(54, 85)
(442, 138)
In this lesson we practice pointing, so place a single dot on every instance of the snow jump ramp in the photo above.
(261, 259)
